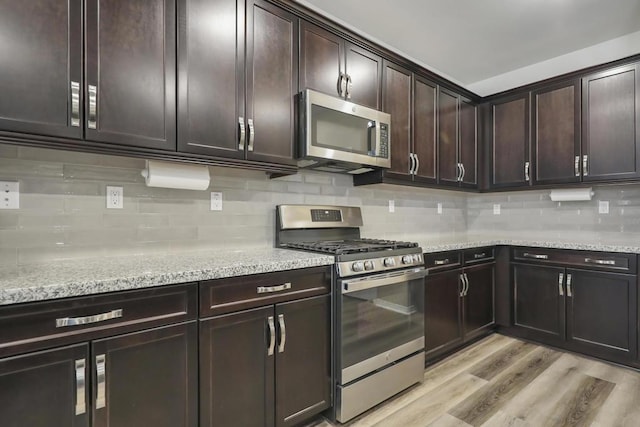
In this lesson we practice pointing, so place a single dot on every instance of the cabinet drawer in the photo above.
(624, 263)
(240, 293)
(478, 255)
(31, 326)
(440, 261)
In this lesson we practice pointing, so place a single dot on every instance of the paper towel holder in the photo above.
(572, 194)
(181, 176)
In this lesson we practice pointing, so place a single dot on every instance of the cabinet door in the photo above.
(556, 134)
(510, 145)
(365, 72)
(442, 316)
(303, 367)
(272, 74)
(601, 313)
(46, 389)
(131, 63)
(610, 121)
(478, 302)
(396, 100)
(539, 302)
(147, 378)
(321, 59)
(236, 371)
(211, 72)
(425, 139)
(468, 140)
(448, 169)
(42, 58)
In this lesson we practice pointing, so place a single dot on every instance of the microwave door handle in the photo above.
(373, 132)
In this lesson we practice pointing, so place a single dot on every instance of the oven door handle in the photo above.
(362, 283)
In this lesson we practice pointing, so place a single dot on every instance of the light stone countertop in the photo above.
(93, 276)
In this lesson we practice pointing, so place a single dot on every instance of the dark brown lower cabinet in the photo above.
(267, 366)
(43, 389)
(459, 306)
(592, 312)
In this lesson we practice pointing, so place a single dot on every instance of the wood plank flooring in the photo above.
(501, 381)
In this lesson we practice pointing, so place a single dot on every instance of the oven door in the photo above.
(381, 321)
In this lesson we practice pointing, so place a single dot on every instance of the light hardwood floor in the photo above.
(501, 381)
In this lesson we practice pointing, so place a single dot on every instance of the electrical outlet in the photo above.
(115, 196)
(216, 201)
(496, 209)
(9, 195)
(440, 208)
(392, 206)
(603, 206)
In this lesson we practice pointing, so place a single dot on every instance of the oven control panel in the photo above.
(376, 265)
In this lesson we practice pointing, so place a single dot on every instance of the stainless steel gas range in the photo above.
(378, 304)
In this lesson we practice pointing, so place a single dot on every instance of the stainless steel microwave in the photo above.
(340, 136)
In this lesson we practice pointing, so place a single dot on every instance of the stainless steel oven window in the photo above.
(378, 319)
(345, 132)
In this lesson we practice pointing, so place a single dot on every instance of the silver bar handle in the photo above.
(569, 290)
(270, 289)
(101, 374)
(368, 282)
(349, 86)
(75, 321)
(415, 172)
(463, 285)
(252, 135)
(585, 165)
(576, 165)
(242, 133)
(272, 336)
(342, 84)
(535, 256)
(81, 405)
(527, 166)
(466, 279)
(464, 172)
(93, 107)
(75, 104)
(441, 261)
(411, 164)
(478, 256)
(600, 261)
(283, 333)
(458, 172)
(560, 282)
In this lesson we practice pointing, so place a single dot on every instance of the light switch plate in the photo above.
(496, 209)
(9, 195)
(603, 206)
(115, 196)
(440, 208)
(216, 201)
(392, 206)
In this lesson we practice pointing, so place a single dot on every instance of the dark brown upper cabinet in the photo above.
(130, 73)
(237, 88)
(556, 134)
(610, 122)
(41, 77)
(396, 100)
(332, 65)
(457, 140)
(509, 130)
(425, 123)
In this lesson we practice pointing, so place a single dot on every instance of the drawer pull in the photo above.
(535, 256)
(270, 289)
(101, 374)
(600, 261)
(75, 321)
(441, 261)
(81, 406)
(478, 256)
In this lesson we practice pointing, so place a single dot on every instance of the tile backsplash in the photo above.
(63, 212)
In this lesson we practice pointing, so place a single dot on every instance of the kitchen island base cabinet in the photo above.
(267, 366)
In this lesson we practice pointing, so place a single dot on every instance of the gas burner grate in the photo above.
(340, 247)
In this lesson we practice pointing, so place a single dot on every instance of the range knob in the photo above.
(417, 258)
(389, 262)
(407, 259)
(357, 266)
(369, 265)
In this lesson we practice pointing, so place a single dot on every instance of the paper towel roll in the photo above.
(176, 175)
(571, 194)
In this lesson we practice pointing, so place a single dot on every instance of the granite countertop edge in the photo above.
(477, 243)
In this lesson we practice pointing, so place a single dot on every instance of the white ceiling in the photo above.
(492, 45)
